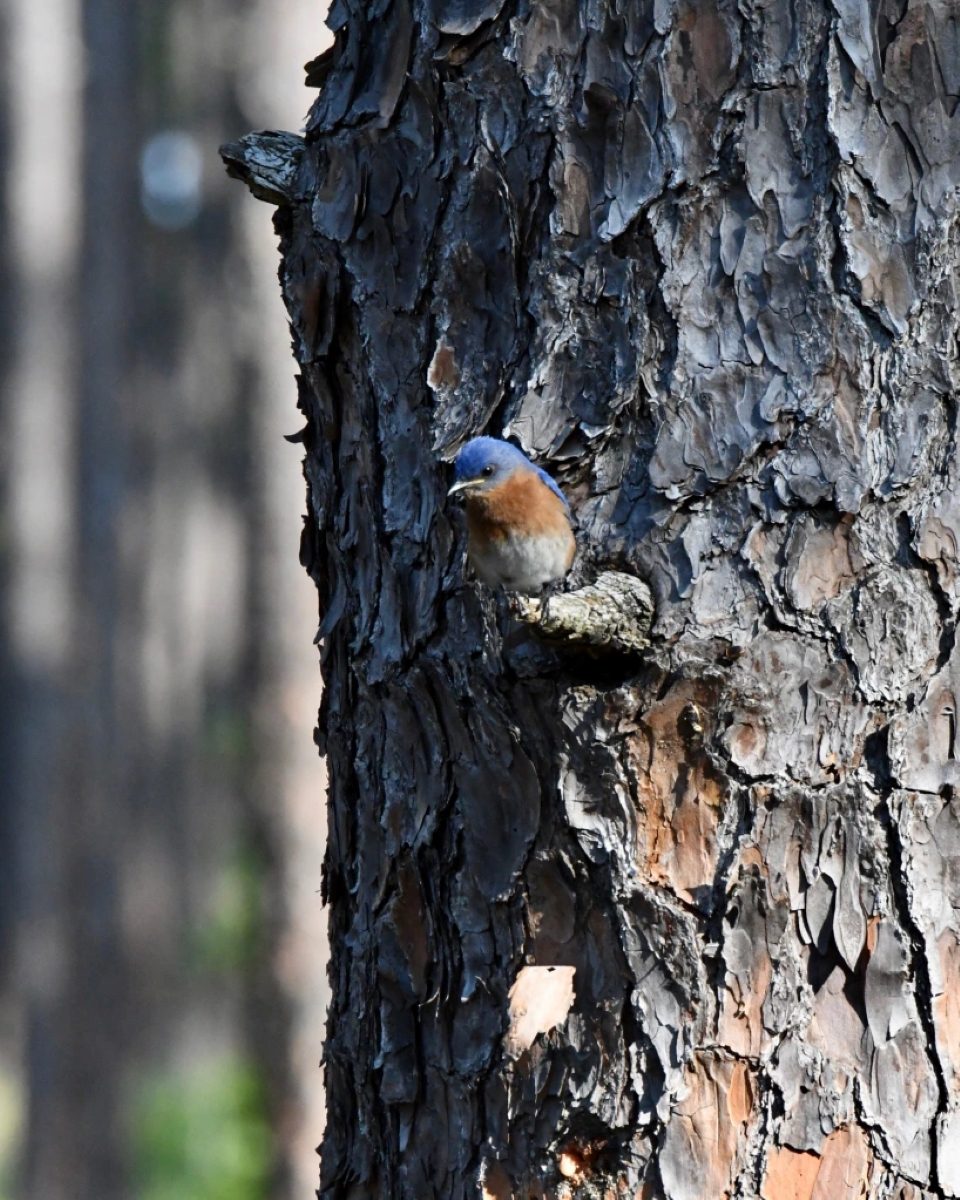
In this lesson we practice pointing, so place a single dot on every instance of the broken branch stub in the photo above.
(613, 614)
(268, 163)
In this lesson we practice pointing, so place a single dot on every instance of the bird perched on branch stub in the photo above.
(519, 528)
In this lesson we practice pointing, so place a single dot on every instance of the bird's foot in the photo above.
(548, 591)
(525, 608)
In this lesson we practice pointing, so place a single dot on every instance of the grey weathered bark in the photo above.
(700, 259)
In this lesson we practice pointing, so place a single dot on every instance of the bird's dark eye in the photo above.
(488, 471)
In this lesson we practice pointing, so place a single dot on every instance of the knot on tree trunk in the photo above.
(612, 614)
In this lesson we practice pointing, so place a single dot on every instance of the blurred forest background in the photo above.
(162, 980)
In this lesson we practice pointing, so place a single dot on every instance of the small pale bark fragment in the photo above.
(443, 373)
(846, 1166)
(820, 565)
(946, 1006)
(842, 1170)
(706, 1137)
(791, 1174)
(836, 1023)
(540, 999)
(948, 1144)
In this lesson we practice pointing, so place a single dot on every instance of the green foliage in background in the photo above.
(205, 1134)
(231, 933)
(203, 1137)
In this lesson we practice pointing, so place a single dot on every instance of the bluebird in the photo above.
(519, 530)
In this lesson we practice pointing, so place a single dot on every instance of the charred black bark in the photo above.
(701, 261)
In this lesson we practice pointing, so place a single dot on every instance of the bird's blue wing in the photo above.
(552, 485)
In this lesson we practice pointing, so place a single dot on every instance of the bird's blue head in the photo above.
(485, 462)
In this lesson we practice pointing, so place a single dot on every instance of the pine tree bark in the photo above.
(682, 923)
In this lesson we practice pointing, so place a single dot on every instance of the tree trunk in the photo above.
(681, 924)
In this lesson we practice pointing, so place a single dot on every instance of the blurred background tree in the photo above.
(161, 993)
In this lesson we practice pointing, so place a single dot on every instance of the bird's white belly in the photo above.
(523, 564)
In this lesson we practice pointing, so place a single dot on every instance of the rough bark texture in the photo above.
(700, 259)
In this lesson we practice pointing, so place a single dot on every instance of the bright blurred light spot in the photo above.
(171, 179)
(11, 1127)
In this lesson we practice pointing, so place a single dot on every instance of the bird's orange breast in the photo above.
(521, 505)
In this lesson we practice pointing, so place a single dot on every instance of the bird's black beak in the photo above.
(462, 485)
